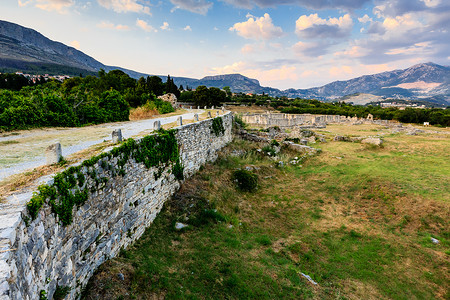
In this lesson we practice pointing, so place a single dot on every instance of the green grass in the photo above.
(360, 226)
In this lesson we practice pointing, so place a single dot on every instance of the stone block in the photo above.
(180, 121)
(117, 136)
(53, 154)
(156, 125)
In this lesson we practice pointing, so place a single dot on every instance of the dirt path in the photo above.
(23, 150)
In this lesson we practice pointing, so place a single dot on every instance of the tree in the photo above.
(201, 96)
(170, 87)
(155, 85)
(227, 90)
(216, 96)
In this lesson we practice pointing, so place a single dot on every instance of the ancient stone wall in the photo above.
(37, 257)
(292, 120)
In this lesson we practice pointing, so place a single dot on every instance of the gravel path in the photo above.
(25, 150)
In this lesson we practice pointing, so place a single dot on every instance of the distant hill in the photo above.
(24, 49)
(418, 81)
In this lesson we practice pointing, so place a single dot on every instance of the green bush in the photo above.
(245, 180)
(217, 126)
(238, 120)
(165, 107)
(269, 150)
(61, 292)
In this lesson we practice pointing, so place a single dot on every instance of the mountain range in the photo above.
(24, 49)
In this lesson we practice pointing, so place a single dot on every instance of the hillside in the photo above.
(27, 50)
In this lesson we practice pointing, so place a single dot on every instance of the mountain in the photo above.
(237, 83)
(419, 81)
(24, 49)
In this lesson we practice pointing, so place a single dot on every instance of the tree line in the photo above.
(80, 101)
(435, 116)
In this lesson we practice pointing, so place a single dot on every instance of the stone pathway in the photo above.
(24, 150)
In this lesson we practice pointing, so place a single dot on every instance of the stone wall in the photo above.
(292, 120)
(45, 254)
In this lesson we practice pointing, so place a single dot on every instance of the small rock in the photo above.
(372, 141)
(121, 277)
(230, 226)
(179, 226)
(434, 241)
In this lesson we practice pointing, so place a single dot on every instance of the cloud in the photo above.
(349, 5)
(340, 71)
(75, 44)
(165, 26)
(365, 19)
(124, 6)
(23, 3)
(145, 26)
(353, 52)
(257, 29)
(60, 6)
(109, 25)
(196, 6)
(311, 49)
(419, 35)
(265, 72)
(393, 8)
(313, 26)
(187, 28)
(236, 67)
(376, 28)
(252, 48)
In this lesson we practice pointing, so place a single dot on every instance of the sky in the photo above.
(282, 43)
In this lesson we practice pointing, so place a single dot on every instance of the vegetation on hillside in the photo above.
(203, 96)
(358, 220)
(78, 101)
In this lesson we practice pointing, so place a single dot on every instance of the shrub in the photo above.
(217, 126)
(269, 150)
(238, 120)
(246, 180)
(274, 143)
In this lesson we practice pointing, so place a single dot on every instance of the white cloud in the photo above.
(196, 6)
(109, 25)
(75, 44)
(123, 6)
(313, 26)
(236, 67)
(165, 26)
(311, 49)
(187, 28)
(258, 29)
(145, 26)
(365, 19)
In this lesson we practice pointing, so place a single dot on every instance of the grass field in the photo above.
(357, 219)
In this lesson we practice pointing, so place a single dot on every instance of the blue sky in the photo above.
(283, 44)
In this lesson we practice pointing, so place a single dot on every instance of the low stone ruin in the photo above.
(169, 98)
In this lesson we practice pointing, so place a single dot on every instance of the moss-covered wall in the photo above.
(95, 209)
